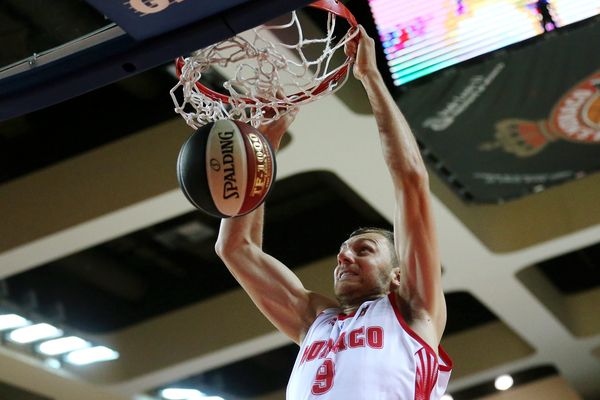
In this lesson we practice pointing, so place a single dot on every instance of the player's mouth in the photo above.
(346, 274)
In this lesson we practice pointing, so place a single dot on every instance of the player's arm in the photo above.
(275, 290)
(414, 229)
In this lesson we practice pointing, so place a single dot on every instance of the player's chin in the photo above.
(344, 287)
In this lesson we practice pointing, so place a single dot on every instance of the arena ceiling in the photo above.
(97, 238)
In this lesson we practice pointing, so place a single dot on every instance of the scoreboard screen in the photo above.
(420, 37)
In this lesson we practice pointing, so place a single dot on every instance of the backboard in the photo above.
(70, 48)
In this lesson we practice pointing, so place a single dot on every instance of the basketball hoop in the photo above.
(267, 82)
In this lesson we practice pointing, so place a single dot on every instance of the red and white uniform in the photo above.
(371, 354)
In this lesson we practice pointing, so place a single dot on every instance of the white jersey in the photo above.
(371, 354)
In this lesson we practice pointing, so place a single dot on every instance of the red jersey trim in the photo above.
(342, 317)
(325, 311)
(442, 353)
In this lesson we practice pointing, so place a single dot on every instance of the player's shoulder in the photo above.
(320, 303)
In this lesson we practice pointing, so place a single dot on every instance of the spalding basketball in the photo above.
(226, 168)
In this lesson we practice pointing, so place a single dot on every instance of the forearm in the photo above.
(400, 148)
(240, 231)
(248, 229)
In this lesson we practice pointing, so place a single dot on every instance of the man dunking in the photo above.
(380, 338)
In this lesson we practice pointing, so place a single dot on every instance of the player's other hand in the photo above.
(275, 130)
(362, 50)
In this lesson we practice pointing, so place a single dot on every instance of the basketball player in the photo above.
(379, 340)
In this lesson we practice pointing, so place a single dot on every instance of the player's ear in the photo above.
(395, 283)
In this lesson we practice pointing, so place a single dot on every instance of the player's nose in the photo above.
(345, 256)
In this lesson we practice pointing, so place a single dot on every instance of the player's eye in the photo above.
(365, 250)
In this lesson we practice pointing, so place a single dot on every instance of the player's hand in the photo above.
(276, 129)
(362, 50)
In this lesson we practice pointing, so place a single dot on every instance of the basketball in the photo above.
(226, 168)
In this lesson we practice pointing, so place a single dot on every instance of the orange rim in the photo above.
(332, 6)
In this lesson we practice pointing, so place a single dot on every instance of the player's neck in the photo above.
(350, 305)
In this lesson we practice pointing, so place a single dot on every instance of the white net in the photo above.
(269, 77)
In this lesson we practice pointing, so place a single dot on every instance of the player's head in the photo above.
(367, 265)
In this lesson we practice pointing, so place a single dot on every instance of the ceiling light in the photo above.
(62, 345)
(33, 333)
(12, 321)
(503, 382)
(182, 394)
(186, 394)
(52, 363)
(91, 355)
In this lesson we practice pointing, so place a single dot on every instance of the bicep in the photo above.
(276, 290)
(417, 247)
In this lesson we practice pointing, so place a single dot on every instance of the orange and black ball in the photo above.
(226, 168)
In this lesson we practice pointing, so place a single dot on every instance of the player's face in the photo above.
(363, 268)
